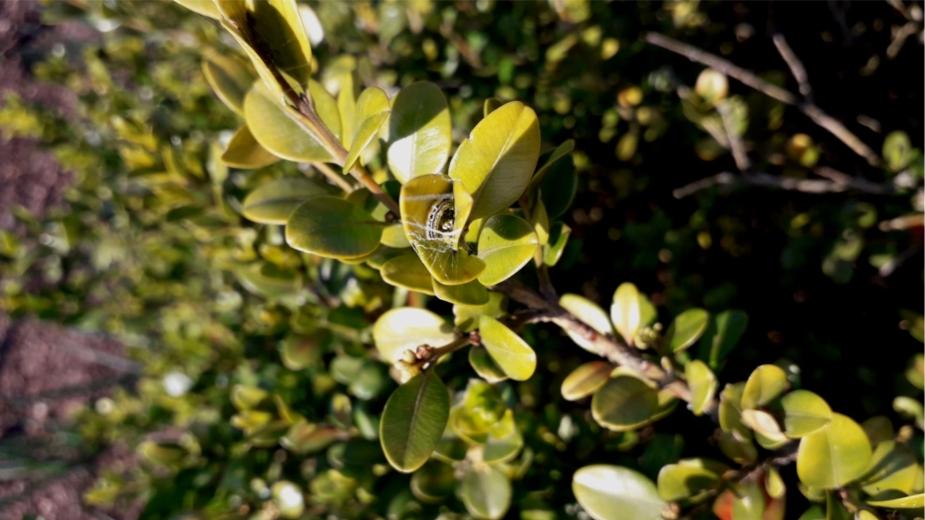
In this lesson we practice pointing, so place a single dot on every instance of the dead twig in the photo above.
(813, 112)
(765, 180)
(795, 65)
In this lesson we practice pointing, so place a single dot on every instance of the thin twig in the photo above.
(333, 176)
(813, 112)
(765, 180)
(733, 139)
(795, 65)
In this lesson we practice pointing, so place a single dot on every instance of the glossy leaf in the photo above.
(615, 493)
(624, 403)
(506, 244)
(630, 311)
(333, 227)
(229, 79)
(804, 413)
(507, 349)
(407, 271)
(724, 331)
(427, 211)
(763, 386)
(203, 7)
(907, 502)
(407, 328)
(471, 293)
(494, 165)
(561, 152)
(559, 234)
(466, 317)
(244, 152)
(591, 314)
(893, 467)
(689, 479)
(485, 491)
(686, 329)
(834, 455)
(702, 383)
(413, 421)
(585, 380)
(368, 131)
(419, 132)
(274, 201)
(485, 366)
(275, 129)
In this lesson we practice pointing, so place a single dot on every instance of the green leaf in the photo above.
(804, 413)
(413, 421)
(485, 491)
(394, 236)
(893, 467)
(419, 132)
(559, 187)
(725, 330)
(767, 430)
(507, 349)
(471, 293)
(630, 311)
(305, 438)
(203, 7)
(333, 227)
(407, 271)
(407, 328)
(561, 152)
(730, 411)
(764, 385)
(686, 329)
(591, 314)
(298, 352)
(614, 493)
(908, 502)
(466, 317)
(244, 152)
(506, 244)
(274, 201)
(559, 234)
(275, 129)
(485, 367)
(273, 37)
(368, 131)
(585, 380)
(494, 165)
(834, 455)
(689, 479)
(229, 79)
(504, 441)
(702, 383)
(433, 482)
(624, 403)
(427, 211)
(897, 150)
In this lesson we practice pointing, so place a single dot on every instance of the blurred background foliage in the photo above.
(254, 360)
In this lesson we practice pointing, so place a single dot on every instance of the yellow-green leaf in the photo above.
(244, 152)
(274, 201)
(275, 129)
(333, 227)
(485, 491)
(615, 493)
(229, 78)
(368, 131)
(630, 311)
(689, 479)
(407, 271)
(203, 7)
(506, 244)
(428, 213)
(908, 502)
(834, 455)
(407, 328)
(484, 366)
(419, 132)
(507, 349)
(413, 421)
(686, 329)
(495, 164)
(804, 413)
(591, 314)
(470, 293)
(764, 385)
(585, 380)
(624, 403)
(702, 383)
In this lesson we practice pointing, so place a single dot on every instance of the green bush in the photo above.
(356, 272)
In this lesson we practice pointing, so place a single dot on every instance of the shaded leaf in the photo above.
(585, 380)
(413, 421)
(333, 227)
(407, 271)
(228, 78)
(244, 152)
(274, 201)
(624, 403)
(686, 329)
(471, 293)
(485, 491)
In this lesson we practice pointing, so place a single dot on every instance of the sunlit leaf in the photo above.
(702, 383)
(506, 244)
(686, 329)
(245, 152)
(419, 132)
(591, 314)
(804, 413)
(274, 201)
(407, 271)
(614, 493)
(764, 385)
(407, 328)
(585, 380)
(630, 311)
(485, 491)
(834, 455)
(507, 349)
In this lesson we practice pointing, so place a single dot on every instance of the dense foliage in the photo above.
(373, 259)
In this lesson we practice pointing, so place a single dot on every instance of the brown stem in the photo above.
(813, 112)
(336, 178)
